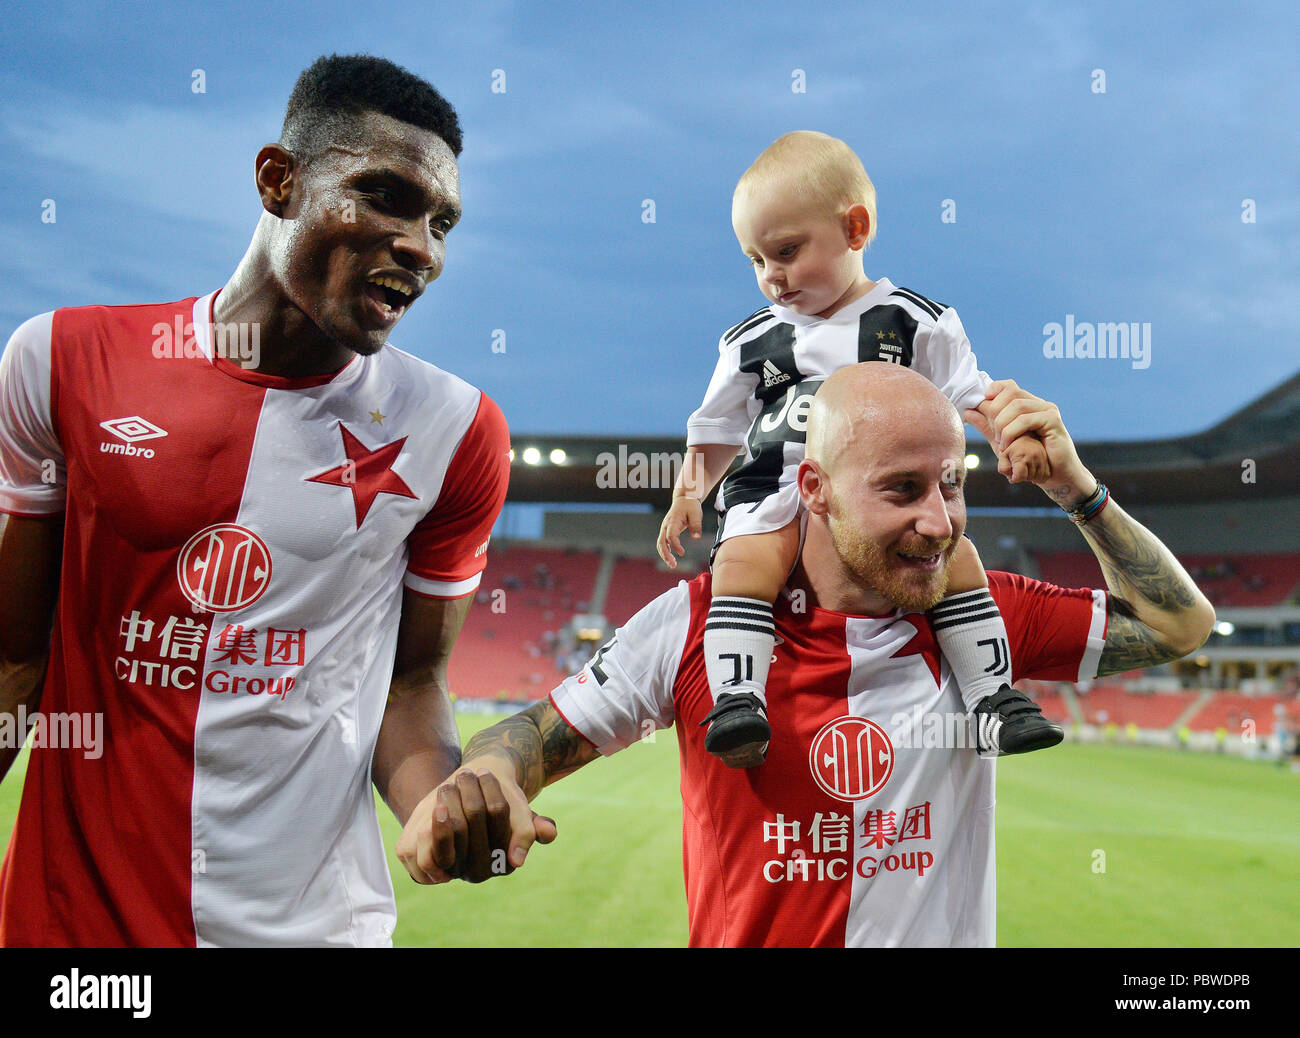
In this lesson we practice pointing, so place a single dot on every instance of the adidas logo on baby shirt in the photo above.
(772, 375)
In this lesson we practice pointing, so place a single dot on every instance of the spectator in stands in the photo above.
(1281, 735)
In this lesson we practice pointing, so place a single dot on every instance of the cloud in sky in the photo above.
(1116, 206)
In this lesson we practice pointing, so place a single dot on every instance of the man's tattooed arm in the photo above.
(1156, 613)
(540, 744)
(1130, 644)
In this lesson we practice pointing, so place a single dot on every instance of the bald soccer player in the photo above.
(872, 822)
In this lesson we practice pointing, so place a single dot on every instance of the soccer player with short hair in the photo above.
(803, 213)
(872, 820)
(264, 525)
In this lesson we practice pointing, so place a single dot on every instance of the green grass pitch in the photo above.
(1110, 846)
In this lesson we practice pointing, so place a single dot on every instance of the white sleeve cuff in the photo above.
(442, 588)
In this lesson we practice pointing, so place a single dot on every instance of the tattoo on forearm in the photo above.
(539, 741)
(1063, 496)
(563, 749)
(1132, 557)
(1130, 644)
(516, 737)
(1150, 594)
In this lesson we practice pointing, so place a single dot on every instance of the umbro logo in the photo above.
(772, 375)
(132, 430)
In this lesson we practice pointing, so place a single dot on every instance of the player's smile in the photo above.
(922, 563)
(390, 293)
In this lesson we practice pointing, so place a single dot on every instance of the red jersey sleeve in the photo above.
(1056, 633)
(448, 547)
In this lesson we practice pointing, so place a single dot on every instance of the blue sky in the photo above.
(1122, 206)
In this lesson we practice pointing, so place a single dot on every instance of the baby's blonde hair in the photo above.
(820, 170)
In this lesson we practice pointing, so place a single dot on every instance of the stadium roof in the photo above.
(1250, 455)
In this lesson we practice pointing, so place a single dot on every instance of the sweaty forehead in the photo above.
(380, 143)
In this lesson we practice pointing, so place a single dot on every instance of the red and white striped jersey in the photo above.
(871, 821)
(235, 551)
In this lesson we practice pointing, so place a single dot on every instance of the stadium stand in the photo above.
(636, 582)
(1228, 710)
(508, 648)
(1048, 696)
(1115, 704)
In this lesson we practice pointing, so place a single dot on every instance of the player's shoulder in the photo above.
(32, 332)
(698, 590)
(98, 321)
(749, 327)
(659, 632)
(122, 313)
(1015, 590)
(429, 383)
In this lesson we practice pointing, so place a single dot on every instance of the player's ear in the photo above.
(814, 489)
(857, 226)
(275, 172)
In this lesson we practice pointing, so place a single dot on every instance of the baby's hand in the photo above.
(685, 512)
(1027, 458)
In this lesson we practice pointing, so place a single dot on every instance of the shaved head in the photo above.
(856, 404)
(882, 482)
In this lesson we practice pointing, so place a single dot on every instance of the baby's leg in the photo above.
(973, 639)
(748, 574)
(969, 629)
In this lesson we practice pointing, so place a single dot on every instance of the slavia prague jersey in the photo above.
(871, 821)
(236, 547)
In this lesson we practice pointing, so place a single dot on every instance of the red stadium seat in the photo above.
(502, 652)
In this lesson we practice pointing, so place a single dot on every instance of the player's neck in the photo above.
(290, 345)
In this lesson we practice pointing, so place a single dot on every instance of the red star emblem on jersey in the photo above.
(367, 473)
(923, 644)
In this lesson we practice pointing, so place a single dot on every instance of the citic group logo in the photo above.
(851, 758)
(224, 567)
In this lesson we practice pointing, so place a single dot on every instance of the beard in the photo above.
(879, 569)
